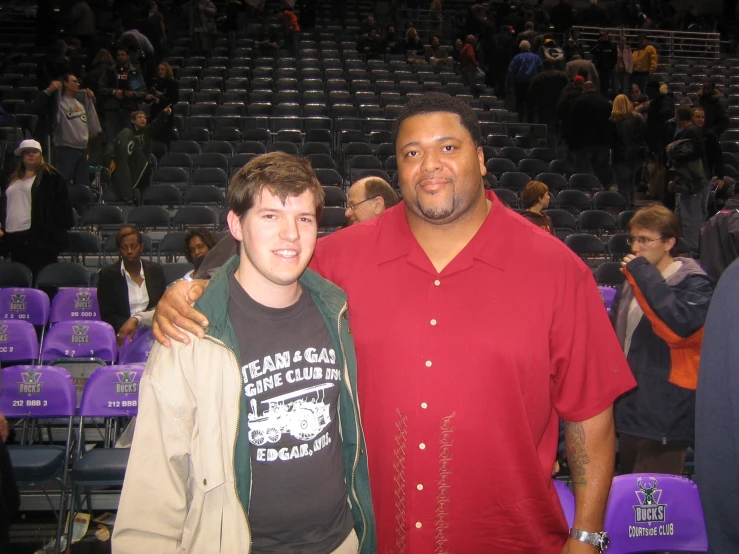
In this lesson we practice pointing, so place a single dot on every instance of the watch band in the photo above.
(598, 540)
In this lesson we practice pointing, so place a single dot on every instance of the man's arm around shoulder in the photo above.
(154, 501)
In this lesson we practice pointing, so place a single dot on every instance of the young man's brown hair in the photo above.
(282, 174)
(659, 219)
(532, 193)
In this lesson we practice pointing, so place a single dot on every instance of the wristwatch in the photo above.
(598, 540)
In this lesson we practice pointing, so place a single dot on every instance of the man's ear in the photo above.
(234, 225)
(379, 205)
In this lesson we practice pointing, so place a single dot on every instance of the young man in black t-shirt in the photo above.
(262, 411)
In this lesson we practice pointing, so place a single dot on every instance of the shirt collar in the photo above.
(126, 274)
(488, 245)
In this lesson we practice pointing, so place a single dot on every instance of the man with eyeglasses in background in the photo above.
(367, 198)
(659, 316)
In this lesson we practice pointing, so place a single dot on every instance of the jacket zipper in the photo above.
(358, 424)
(238, 421)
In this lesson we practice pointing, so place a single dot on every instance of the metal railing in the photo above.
(672, 44)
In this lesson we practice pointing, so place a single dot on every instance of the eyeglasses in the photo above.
(353, 207)
(643, 241)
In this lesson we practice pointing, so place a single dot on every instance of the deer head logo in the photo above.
(648, 491)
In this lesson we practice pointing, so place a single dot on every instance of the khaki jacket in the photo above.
(180, 495)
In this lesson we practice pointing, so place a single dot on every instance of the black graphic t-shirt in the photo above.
(291, 385)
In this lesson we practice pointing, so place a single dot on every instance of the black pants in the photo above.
(20, 249)
(521, 90)
(639, 455)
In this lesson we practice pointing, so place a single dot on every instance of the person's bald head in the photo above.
(589, 86)
(369, 197)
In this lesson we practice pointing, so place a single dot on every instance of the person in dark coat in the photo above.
(35, 211)
(562, 16)
(164, 92)
(130, 286)
(566, 99)
(543, 97)
(628, 146)
(499, 52)
(714, 161)
(710, 100)
(605, 56)
(656, 421)
(54, 65)
(588, 131)
(660, 109)
(717, 419)
(719, 241)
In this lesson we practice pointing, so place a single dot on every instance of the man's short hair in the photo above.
(281, 174)
(684, 113)
(532, 192)
(374, 186)
(127, 231)
(525, 46)
(657, 218)
(529, 26)
(135, 114)
(433, 102)
(589, 86)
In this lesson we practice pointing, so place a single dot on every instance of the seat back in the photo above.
(566, 500)
(608, 294)
(18, 341)
(80, 339)
(655, 513)
(137, 350)
(75, 303)
(37, 391)
(112, 391)
(30, 305)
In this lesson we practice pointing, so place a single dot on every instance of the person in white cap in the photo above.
(35, 210)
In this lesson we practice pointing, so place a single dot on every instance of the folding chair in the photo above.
(14, 274)
(654, 513)
(170, 247)
(598, 222)
(562, 219)
(33, 393)
(111, 393)
(608, 295)
(136, 351)
(18, 342)
(63, 274)
(608, 274)
(82, 339)
(73, 304)
(586, 245)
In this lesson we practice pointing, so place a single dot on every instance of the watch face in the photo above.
(604, 541)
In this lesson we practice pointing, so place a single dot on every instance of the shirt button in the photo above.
(422, 446)
(419, 487)
(419, 525)
(428, 363)
(424, 405)
(433, 322)
(437, 282)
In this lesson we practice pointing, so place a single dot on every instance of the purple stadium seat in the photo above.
(18, 341)
(608, 294)
(655, 513)
(40, 392)
(112, 391)
(31, 305)
(75, 303)
(567, 500)
(137, 350)
(80, 339)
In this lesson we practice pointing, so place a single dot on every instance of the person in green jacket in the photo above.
(250, 439)
(129, 154)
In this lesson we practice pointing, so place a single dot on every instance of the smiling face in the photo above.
(277, 242)
(440, 168)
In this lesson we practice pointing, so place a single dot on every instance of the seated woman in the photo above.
(198, 243)
(129, 289)
(414, 49)
(535, 199)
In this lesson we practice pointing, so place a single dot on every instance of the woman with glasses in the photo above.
(659, 317)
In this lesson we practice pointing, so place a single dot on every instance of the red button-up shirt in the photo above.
(464, 374)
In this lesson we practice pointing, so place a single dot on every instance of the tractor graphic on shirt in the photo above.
(302, 414)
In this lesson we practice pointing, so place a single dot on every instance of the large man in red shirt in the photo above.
(475, 333)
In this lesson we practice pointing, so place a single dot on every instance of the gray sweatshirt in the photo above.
(74, 120)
